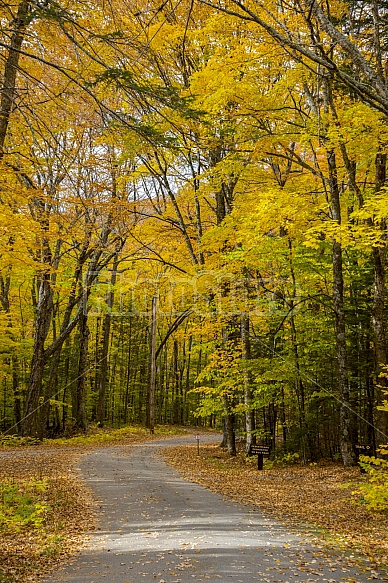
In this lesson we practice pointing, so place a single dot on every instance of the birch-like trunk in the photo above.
(378, 315)
(346, 444)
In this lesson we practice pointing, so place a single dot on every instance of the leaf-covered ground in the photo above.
(28, 551)
(37, 536)
(317, 498)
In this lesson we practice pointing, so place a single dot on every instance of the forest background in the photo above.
(193, 219)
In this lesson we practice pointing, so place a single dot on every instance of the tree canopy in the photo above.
(225, 158)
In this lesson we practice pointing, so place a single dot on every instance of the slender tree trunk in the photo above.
(30, 423)
(300, 395)
(106, 328)
(346, 444)
(44, 411)
(176, 406)
(229, 436)
(283, 417)
(246, 354)
(128, 377)
(378, 315)
(17, 397)
(299, 386)
(187, 383)
(151, 399)
(65, 382)
(5, 284)
(224, 441)
(79, 414)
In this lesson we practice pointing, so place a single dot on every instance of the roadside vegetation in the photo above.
(45, 512)
(94, 436)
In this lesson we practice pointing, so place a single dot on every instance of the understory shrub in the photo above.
(22, 505)
(375, 490)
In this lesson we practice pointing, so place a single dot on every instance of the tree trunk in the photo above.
(44, 312)
(230, 434)
(17, 398)
(11, 68)
(65, 382)
(249, 414)
(79, 412)
(5, 284)
(346, 444)
(48, 394)
(30, 424)
(128, 376)
(175, 383)
(102, 378)
(378, 316)
(187, 384)
(151, 396)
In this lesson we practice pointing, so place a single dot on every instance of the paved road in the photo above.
(156, 527)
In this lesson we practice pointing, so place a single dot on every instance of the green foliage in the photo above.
(18, 441)
(375, 491)
(224, 382)
(101, 436)
(21, 505)
(288, 459)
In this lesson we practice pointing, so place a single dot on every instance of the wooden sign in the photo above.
(260, 450)
(363, 448)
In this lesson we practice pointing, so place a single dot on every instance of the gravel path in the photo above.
(156, 527)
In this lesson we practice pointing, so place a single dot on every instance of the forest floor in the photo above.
(45, 511)
(321, 499)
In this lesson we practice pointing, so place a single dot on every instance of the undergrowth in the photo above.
(94, 436)
(23, 505)
(374, 491)
(18, 441)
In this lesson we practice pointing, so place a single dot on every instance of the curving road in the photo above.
(156, 527)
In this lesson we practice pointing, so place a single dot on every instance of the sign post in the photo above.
(197, 437)
(363, 448)
(260, 451)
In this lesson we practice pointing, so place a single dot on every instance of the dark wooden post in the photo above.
(260, 450)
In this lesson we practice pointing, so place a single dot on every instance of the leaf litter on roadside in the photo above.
(313, 498)
(31, 549)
